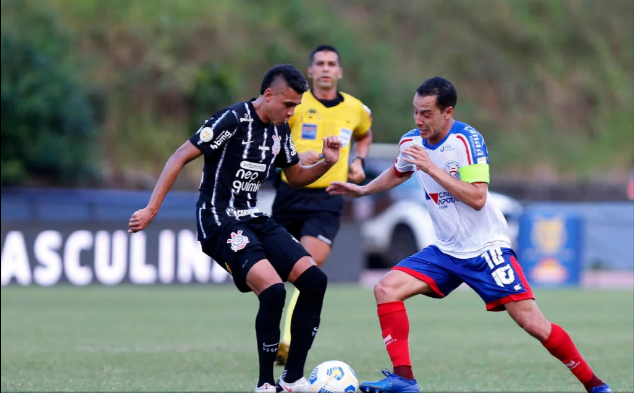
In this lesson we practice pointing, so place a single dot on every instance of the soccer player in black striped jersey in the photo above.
(241, 144)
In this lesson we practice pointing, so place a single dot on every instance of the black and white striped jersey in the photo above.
(240, 152)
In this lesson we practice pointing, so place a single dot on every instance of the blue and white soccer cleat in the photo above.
(392, 383)
(605, 388)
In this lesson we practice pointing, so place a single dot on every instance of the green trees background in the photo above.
(100, 93)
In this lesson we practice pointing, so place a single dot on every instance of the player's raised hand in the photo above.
(331, 148)
(140, 220)
(310, 157)
(418, 157)
(343, 188)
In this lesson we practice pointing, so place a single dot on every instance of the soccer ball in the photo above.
(333, 376)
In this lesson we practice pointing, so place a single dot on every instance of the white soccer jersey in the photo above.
(462, 231)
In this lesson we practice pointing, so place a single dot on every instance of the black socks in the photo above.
(305, 321)
(267, 329)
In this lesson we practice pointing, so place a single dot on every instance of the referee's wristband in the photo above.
(362, 161)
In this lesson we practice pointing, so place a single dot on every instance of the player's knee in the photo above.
(535, 330)
(536, 327)
(273, 297)
(384, 291)
(313, 281)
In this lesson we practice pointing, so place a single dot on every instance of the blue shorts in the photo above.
(495, 275)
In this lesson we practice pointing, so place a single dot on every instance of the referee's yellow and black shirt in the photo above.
(314, 120)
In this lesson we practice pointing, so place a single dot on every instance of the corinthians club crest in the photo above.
(276, 144)
(238, 241)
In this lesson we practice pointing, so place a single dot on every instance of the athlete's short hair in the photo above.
(323, 48)
(291, 75)
(444, 91)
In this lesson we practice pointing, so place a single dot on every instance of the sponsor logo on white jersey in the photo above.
(442, 199)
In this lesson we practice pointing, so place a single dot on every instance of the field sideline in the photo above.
(201, 338)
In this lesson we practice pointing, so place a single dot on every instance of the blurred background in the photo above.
(96, 95)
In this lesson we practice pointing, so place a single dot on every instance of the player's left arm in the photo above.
(471, 189)
(363, 139)
(299, 175)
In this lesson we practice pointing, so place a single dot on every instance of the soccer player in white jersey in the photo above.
(450, 160)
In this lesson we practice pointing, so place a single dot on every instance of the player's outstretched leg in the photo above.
(312, 285)
(557, 341)
(282, 351)
(395, 329)
(394, 287)
(267, 332)
(561, 346)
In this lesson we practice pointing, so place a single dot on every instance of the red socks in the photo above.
(560, 345)
(395, 329)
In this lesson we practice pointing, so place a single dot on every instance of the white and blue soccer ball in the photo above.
(333, 376)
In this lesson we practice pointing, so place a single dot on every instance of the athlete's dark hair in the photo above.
(291, 75)
(323, 48)
(444, 91)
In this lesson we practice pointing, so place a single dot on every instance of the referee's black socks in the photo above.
(305, 321)
(267, 329)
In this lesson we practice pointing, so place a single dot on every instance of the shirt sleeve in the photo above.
(473, 158)
(365, 123)
(215, 132)
(401, 166)
(288, 155)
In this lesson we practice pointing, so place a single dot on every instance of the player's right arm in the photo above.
(207, 140)
(143, 217)
(390, 178)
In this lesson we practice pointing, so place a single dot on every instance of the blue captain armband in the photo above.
(476, 173)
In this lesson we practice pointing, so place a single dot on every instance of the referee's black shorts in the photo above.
(308, 212)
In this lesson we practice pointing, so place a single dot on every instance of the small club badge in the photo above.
(452, 167)
(206, 134)
(276, 144)
(238, 241)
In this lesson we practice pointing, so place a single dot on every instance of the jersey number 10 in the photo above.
(503, 275)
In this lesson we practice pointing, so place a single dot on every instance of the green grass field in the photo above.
(202, 339)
